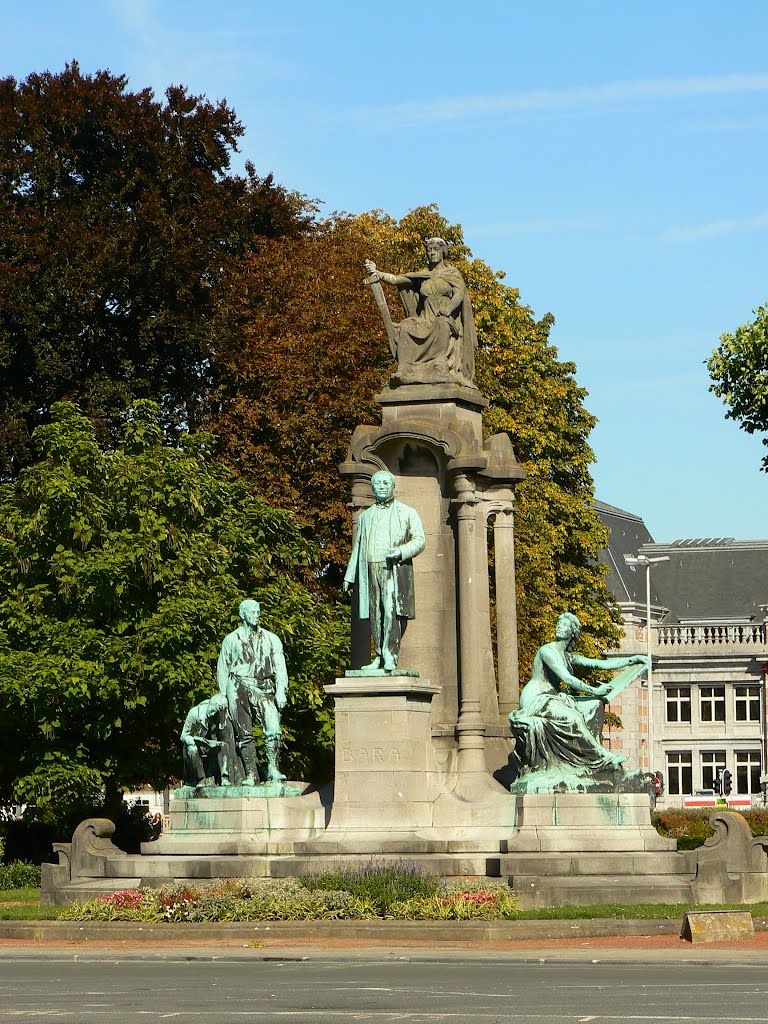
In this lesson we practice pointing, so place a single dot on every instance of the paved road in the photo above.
(183, 989)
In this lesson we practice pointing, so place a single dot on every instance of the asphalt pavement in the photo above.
(405, 986)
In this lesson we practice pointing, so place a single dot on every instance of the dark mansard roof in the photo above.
(706, 578)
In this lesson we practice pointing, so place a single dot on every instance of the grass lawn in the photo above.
(24, 905)
(634, 910)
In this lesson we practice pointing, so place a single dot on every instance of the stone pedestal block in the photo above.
(222, 823)
(588, 823)
(385, 782)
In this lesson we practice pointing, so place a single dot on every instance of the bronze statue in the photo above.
(208, 744)
(253, 677)
(558, 726)
(389, 535)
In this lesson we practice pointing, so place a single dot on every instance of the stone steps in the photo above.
(580, 890)
(627, 864)
(583, 879)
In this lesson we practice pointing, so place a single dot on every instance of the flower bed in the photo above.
(368, 895)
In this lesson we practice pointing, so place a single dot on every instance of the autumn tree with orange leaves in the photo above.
(302, 353)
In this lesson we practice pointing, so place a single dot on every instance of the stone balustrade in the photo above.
(709, 635)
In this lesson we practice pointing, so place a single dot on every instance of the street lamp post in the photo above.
(633, 561)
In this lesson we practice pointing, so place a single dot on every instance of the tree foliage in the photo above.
(739, 371)
(118, 220)
(302, 352)
(122, 572)
(298, 364)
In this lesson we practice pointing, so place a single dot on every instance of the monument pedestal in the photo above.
(385, 780)
(586, 823)
(389, 796)
(224, 821)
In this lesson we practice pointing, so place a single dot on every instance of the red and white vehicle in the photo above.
(709, 798)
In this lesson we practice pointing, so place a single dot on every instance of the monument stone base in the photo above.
(219, 821)
(391, 805)
(584, 822)
(385, 780)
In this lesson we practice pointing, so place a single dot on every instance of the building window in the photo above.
(679, 772)
(678, 703)
(712, 704)
(712, 762)
(747, 703)
(748, 764)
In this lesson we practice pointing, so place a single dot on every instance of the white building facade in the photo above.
(709, 642)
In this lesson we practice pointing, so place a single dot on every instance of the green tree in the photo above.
(739, 371)
(302, 352)
(535, 398)
(122, 571)
(119, 218)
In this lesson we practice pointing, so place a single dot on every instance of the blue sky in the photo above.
(610, 157)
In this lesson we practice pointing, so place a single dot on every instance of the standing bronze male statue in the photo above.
(252, 676)
(436, 342)
(389, 535)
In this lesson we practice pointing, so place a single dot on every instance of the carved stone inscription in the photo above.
(370, 757)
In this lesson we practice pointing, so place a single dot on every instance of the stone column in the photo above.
(469, 729)
(506, 611)
(360, 646)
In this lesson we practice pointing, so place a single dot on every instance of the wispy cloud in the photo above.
(137, 16)
(733, 226)
(574, 98)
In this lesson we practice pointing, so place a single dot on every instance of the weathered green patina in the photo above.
(253, 677)
(208, 745)
(217, 739)
(558, 726)
(388, 537)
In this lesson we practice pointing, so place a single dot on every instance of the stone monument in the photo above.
(430, 439)
(420, 749)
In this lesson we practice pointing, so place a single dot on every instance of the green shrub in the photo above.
(19, 875)
(758, 822)
(690, 827)
(31, 838)
(30, 841)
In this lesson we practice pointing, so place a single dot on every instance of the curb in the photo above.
(386, 931)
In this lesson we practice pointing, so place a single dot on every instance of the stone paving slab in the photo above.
(632, 950)
(353, 931)
(595, 940)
